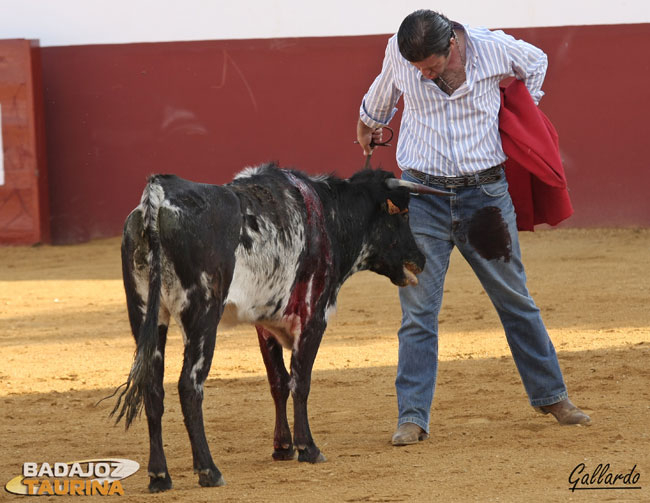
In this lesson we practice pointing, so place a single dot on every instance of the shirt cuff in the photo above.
(372, 122)
(537, 97)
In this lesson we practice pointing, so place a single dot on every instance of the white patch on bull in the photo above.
(196, 368)
(206, 283)
(173, 296)
(360, 263)
(308, 299)
(157, 354)
(264, 274)
(169, 206)
(247, 172)
(330, 310)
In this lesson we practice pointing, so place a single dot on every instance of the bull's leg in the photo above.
(200, 329)
(159, 479)
(279, 382)
(302, 362)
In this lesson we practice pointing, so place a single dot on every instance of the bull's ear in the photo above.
(393, 209)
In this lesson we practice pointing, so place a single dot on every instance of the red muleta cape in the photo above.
(534, 170)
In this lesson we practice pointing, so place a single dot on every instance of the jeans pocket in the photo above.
(496, 189)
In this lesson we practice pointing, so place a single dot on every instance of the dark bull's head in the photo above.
(390, 246)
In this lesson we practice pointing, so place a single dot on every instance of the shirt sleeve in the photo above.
(379, 104)
(527, 63)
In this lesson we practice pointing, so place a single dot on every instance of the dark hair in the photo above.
(423, 33)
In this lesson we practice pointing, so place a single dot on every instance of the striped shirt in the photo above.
(459, 134)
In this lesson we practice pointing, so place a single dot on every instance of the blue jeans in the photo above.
(480, 220)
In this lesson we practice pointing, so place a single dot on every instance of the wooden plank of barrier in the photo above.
(24, 212)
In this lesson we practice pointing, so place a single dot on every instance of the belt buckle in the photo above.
(458, 181)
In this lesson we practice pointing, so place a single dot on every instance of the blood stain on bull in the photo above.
(488, 233)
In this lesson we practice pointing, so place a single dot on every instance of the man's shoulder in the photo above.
(484, 35)
(392, 51)
(488, 43)
(392, 43)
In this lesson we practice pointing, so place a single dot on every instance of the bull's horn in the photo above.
(418, 188)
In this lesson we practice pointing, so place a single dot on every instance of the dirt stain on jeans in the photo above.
(488, 233)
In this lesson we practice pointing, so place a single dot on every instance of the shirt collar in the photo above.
(471, 55)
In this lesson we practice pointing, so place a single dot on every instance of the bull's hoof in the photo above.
(311, 455)
(284, 454)
(211, 478)
(160, 484)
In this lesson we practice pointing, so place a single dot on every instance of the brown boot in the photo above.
(566, 413)
(408, 433)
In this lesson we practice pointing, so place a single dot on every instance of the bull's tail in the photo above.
(139, 384)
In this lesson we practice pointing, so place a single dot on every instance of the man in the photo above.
(448, 75)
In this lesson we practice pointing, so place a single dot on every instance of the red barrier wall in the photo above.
(204, 110)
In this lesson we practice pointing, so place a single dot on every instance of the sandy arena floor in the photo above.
(65, 343)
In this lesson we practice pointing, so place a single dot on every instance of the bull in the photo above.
(272, 248)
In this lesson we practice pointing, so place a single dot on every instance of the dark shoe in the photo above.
(409, 433)
(566, 413)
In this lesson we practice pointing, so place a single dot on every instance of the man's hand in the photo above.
(366, 135)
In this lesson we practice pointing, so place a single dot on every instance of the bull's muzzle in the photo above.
(410, 272)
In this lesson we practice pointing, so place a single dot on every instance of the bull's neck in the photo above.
(347, 217)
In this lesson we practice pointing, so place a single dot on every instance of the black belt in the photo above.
(486, 176)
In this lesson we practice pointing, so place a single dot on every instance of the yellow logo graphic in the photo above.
(78, 478)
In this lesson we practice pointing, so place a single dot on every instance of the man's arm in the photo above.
(378, 105)
(527, 63)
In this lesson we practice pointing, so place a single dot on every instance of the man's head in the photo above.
(425, 38)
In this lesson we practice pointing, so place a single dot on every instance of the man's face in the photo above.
(433, 66)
